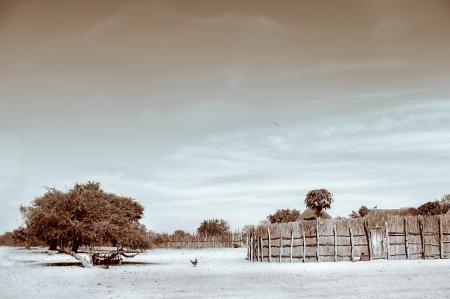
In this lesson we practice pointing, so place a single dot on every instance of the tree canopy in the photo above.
(85, 215)
(284, 215)
(319, 199)
(432, 208)
(445, 203)
(213, 228)
(362, 212)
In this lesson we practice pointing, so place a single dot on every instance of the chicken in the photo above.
(194, 262)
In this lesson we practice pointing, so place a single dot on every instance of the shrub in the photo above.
(362, 212)
(284, 215)
(432, 208)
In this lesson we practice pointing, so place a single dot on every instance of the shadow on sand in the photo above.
(78, 264)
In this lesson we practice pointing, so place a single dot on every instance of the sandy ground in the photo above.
(221, 273)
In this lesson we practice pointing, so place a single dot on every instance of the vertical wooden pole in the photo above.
(405, 226)
(248, 248)
(441, 244)
(281, 247)
(304, 242)
(261, 248)
(292, 245)
(388, 250)
(317, 240)
(257, 249)
(351, 241)
(369, 241)
(335, 242)
(251, 248)
(422, 237)
(270, 244)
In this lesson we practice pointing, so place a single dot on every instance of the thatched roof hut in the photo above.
(379, 216)
(393, 212)
(382, 213)
(310, 214)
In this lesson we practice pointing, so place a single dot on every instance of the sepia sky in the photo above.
(173, 103)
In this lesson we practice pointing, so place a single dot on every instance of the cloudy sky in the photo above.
(173, 103)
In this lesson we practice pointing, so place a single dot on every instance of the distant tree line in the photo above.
(211, 232)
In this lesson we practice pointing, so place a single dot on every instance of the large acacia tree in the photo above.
(85, 215)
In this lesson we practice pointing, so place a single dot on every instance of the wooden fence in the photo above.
(325, 240)
(196, 241)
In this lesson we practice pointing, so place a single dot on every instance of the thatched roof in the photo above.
(379, 213)
(310, 214)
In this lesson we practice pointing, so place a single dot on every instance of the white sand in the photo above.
(221, 273)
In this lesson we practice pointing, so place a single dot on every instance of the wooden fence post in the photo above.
(304, 242)
(317, 240)
(251, 247)
(248, 248)
(441, 244)
(405, 226)
(388, 251)
(335, 242)
(292, 244)
(369, 243)
(351, 241)
(261, 248)
(422, 237)
(281, 246)
(270, 244)
(257, 249)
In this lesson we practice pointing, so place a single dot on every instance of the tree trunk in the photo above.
(53, 245)
(318, 211)
(75, 247)
(84, 261)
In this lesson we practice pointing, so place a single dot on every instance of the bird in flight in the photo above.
(276, 124)
(194, 262)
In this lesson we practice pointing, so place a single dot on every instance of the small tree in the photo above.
(284, 215)
(445, 203)
(318, 200)
(354, 214)
(213, 228)
(85, 216)
(362, 212)
(432, 208)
